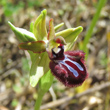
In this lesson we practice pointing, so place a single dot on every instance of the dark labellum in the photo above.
(68, 67)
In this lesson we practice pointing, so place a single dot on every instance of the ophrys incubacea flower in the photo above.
(52, 50)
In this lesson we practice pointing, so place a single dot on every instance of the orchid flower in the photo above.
(52, 51)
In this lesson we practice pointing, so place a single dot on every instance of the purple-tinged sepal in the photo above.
(51, 33)
(35, 46)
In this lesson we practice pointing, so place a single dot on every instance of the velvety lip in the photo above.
(69, 67)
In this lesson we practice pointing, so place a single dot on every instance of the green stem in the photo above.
(38, 101)
(44, 85)
(93, 23)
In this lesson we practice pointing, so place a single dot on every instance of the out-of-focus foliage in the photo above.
(32, 3)
(13, 6)
(10, 8)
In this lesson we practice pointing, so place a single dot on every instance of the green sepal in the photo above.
(22, 34)
(35, 46)
(39, 29)
(46, 82)
(31, 27)
(70, 36)
(51, 33)
(40, 65)
(58, 26)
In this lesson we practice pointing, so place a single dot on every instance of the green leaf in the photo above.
(58, 26)
(22, 34)
(40, 65)
(70, 36)
(35, 46)
(46, 82)
(51, 33)
(32, 55)
(39, 29)
(44, 85)
(89, 33)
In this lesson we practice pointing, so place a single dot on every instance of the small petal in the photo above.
(36, 46)
(51, 33)
(60, 40)
(58, 26)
